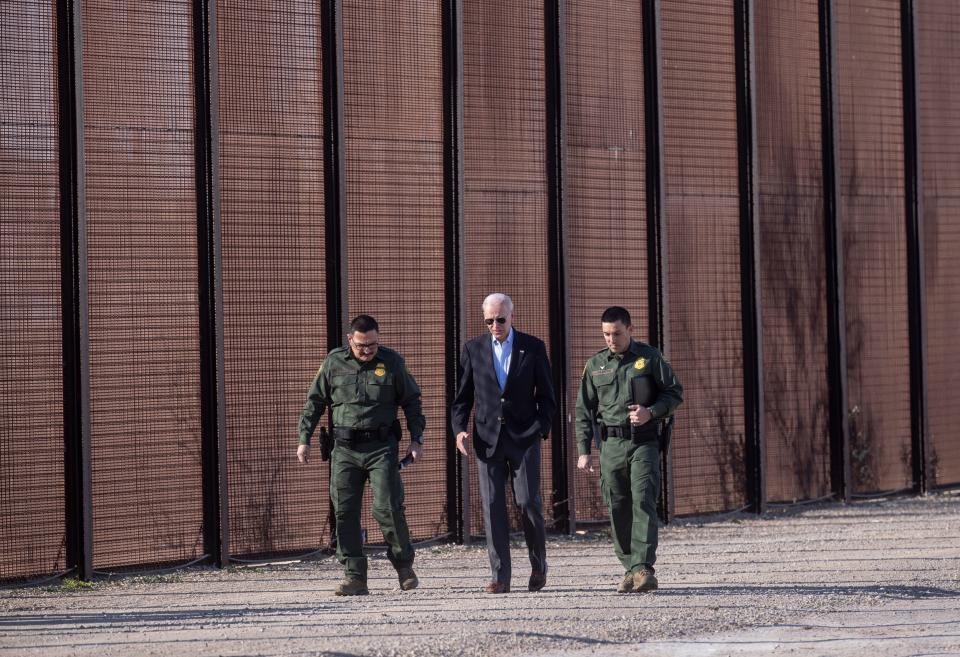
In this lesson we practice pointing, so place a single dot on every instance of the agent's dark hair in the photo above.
(364, 324)
(615, 314)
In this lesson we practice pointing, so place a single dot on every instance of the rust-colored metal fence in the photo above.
(703, 237)
(792, 267)
(605, 210)
(393, 121)
(505, 215)
(195, 196)
(271, 141)
(938, 92)
(141, 232)
(32, 522)
(872, 211)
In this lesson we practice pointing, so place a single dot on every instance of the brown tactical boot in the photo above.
(351, 586)
(408, 579)
(627, 584)
(644, 580)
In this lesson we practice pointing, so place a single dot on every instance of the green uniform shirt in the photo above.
(605, 389)
(362, 395)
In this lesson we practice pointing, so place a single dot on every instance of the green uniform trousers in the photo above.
(349, 470)
(630, 482)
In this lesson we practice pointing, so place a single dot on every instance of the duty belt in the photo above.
(638, 434)
(347, 436)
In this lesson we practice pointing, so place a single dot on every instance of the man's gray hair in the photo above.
(498, 298)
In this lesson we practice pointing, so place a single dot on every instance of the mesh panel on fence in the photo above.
(606, 215)
(393, 88)
(703, 253)
(271, 165)
(141, 221)
(31, 383)
(142, 247)
(505, 198)
(792, 250)
(938, 84)
(871, 209)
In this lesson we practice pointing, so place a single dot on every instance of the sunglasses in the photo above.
(498, 320)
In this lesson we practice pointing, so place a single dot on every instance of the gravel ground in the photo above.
(882, 576)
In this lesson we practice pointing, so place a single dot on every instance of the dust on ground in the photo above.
(880, 578)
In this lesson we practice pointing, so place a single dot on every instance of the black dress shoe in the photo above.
(538, 579)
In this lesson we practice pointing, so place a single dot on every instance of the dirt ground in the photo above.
(878, 578)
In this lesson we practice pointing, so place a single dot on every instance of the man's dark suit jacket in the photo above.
(524, 408)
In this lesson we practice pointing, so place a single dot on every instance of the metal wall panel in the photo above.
(872, 219)
(141, 206)
(792, 250)
(32, 530)
(272, 214)
(393, 116)
(142, 246)
(504, 173)
(938, 84)
(701, 206)
(605, 197)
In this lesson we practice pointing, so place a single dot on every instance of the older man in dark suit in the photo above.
(507, 375)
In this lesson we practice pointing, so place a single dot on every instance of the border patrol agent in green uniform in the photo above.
(364, 384)
(630, 441)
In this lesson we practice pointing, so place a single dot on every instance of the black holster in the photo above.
(326, 444)
(664, 432)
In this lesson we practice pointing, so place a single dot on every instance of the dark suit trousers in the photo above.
(524, 466)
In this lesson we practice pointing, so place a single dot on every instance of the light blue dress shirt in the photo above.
(501, 357)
